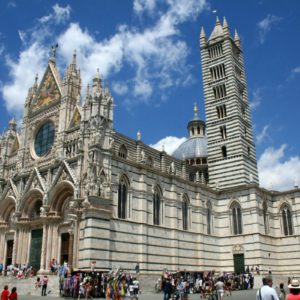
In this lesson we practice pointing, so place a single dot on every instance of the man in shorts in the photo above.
(219, 286)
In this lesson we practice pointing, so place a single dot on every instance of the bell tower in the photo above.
(231, 150)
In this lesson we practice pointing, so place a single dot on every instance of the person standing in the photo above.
(219, 285)
(5, 293)
(167, 289)
(13, 295)
(266, 292)
(44, 285)
(294, 288)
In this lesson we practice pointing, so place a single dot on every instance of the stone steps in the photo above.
(27, 286)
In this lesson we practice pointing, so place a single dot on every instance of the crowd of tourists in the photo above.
(111, 285)
(180, 284)
(20, 271)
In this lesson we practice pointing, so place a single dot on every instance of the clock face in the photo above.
(44, 139)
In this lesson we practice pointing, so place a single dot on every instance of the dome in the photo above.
(194, 147)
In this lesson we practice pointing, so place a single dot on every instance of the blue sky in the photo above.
(148, 52)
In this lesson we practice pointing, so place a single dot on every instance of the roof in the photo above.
(194, 147)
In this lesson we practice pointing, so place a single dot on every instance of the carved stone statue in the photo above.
(143, 156)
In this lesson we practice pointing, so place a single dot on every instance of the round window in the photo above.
(44, 139)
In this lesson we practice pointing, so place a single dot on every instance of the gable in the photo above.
(48, 91)
(76, 119)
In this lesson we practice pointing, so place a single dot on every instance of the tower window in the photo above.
(217, 72)
(249, 151)
(215, 51)
(224, 151)
(219, 91)
(223, 132)
(221, 111)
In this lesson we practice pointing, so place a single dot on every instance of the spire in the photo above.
(12, 124)
(196, 116)
(226, 27)
(218, 30)
(97, 83)
(237, 38)
(71, 70)
(202, 37)
(87, 95)
(35, 85)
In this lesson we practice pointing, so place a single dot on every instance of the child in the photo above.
(13, 295)
(282, 293)
(5, 293)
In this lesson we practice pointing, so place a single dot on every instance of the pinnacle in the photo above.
(225, 24)
(236, 35)
(218, 21)
(202, 33)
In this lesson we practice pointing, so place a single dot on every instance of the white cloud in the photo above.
(156, 55)
(277, 172)
(169, 143)
(22, 73)
(256, 99)
(22, 36)
(263, 135)
(120, 88)
(294, 72)
(2, 48)
(266, 25)
(59, 15)
(142, 88)
(141, 6)
(11, 4)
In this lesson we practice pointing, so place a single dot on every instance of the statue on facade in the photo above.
(53, 51)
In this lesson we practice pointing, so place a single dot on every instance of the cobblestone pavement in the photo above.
(236, 295)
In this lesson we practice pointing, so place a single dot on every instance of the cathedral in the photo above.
(74, 189)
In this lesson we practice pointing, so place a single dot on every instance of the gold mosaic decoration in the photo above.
(48, 92)
(76, 119)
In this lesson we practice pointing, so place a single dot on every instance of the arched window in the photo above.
(122, 151)
(157, 206)
(36, 210)
(185, 213)
(209, 218)
(236, 219)
(122, 199)
(265, 216)
(149, 162)
(286, 216)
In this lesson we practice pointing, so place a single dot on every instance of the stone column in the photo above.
(14, 255)
(71, 242)
(49, 246)
(55, 237)
(75, 244)
(2, 246)
(43, 252)
(19, 246)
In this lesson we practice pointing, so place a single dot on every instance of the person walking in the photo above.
(13, 295)
(5, 293)
(44, 285)
(219, 285)
(294, 288)
(266, 292)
